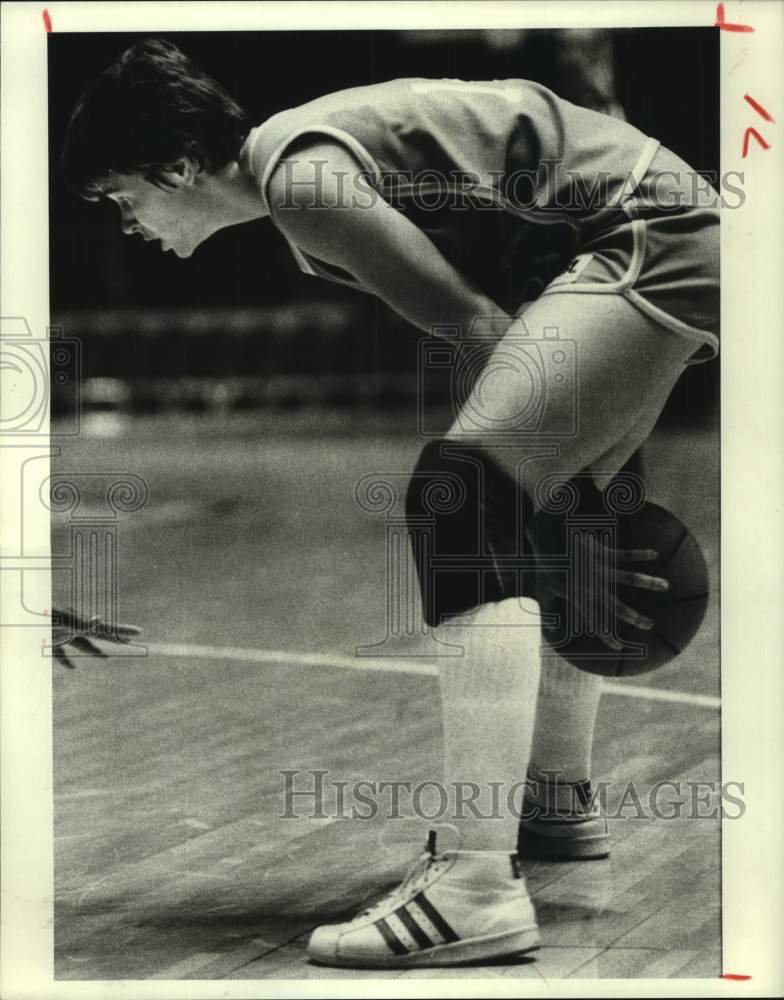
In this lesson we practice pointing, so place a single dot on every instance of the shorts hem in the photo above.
(705, 338)
(624, 286)
(672, 323)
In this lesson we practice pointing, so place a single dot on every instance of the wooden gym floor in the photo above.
(254, 586)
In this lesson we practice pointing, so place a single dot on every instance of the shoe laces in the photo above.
(417, 877)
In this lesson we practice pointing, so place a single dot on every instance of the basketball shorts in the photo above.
(666, 265)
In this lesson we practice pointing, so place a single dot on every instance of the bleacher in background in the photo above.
(275, 357)
(315, 355)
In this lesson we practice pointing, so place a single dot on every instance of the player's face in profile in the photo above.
(174, 214)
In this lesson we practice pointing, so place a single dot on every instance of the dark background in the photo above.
(105, 287)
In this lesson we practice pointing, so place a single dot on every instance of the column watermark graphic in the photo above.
(84, 511)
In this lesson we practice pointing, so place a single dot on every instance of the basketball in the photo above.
(677, 613)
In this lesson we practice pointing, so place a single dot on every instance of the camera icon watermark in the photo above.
(499, 384)
(32, 369)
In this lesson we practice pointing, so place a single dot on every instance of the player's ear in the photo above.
(181, 173)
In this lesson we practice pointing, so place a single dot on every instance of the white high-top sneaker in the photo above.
(458, 906)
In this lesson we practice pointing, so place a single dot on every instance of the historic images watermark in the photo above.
(550, 189)
(317, 794)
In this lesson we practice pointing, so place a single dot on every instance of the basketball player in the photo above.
(456, 202)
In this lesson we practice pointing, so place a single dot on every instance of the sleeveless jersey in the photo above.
(506, 179)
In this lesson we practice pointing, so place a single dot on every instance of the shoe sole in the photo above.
(539, 847)
(509, 945)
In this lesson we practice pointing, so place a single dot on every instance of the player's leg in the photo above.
(620, 365)
(489, 694)
(564, 818)
(625, 368)
(626, 452)
(568, 701)
(488, 691)
(476, 513)
(470, 902)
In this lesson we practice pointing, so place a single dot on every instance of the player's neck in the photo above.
(234, 196)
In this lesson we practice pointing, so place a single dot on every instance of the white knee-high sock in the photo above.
(565, 720)
(488, 698)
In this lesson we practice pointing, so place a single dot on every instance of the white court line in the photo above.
(389, 664)
(398, 665)
(661, 694)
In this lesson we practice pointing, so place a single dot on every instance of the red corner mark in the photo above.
(747, 135)
(48, 20)
(734, 977)
(726, 25)
(759, 108)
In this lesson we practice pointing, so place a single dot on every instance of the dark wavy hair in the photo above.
(143, 113)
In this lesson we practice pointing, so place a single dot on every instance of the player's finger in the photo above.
(119, 633)
(85, 646)
(629, 615)
(612, 642)
(68, 618)
(115, 633)
(61, 658)
(589, 607)
(60, 636)
(127, 629)
(635, 555)
(641, 580)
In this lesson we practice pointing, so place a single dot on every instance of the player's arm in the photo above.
(375, 243)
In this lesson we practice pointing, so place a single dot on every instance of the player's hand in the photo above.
(71, 632)
(591, 585)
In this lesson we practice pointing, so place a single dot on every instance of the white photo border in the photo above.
(752, 482)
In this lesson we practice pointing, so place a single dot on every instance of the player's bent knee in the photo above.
(496, 620)
(463, 513)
